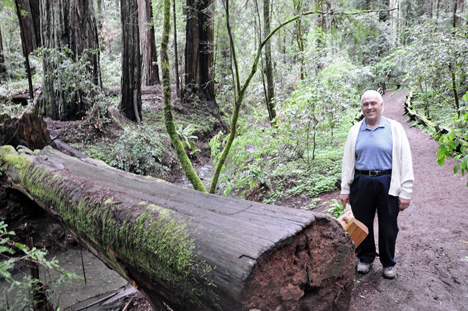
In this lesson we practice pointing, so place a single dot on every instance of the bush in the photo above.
(139, 150)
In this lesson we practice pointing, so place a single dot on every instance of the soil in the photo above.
(432, 246)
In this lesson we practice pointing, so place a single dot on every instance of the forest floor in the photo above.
(432, 246)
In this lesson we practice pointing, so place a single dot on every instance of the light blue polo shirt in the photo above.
(374, 147)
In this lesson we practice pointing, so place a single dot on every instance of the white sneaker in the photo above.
(363, 267)
(389, 273)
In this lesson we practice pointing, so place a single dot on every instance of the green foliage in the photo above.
(139, 150)
(187, 137)
(336, 208)
(298, 156)
(74, 78)
(435, 63)
(19, 295)
(452, 144)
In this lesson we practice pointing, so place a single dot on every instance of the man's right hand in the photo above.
(344, 199)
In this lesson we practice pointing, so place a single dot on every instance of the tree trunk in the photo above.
(199, 48)
(167, 97)
(176, 53)
(2, 58)
(270, 100)
(149, 59)
(30, 24)
(429, 4)
(69, 29)
(299, 37)
(131, 62)
(461, 6)
(25, 44)
(194, 251)
(28, 130)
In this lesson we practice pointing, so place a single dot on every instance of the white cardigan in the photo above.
(402, 165)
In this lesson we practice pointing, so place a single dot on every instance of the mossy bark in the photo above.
(192, 250)
(167, 98)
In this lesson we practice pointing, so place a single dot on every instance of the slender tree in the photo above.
(299, 36)
(2, 58)
(270, 99)
(24, 43)
(68, 30)
(29, 21)
(242, 89)
(130, 103)
(176, 54)
(149, 59)
(167, 97)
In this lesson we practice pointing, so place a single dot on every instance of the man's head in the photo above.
(372, 106)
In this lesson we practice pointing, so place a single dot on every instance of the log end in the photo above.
(312, 270)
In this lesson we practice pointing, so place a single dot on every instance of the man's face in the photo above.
(371, 108)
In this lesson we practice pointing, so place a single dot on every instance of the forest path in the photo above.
(432, 245)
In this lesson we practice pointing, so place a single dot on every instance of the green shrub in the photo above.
(139, 150)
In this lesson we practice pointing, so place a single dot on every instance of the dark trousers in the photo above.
(369, 194)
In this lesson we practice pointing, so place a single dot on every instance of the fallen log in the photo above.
(191, 250)
(440, 130)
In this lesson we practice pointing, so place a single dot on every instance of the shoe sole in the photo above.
(389, 277)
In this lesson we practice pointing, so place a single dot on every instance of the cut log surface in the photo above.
(192, 250)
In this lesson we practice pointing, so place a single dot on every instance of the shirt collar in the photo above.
(382, 123)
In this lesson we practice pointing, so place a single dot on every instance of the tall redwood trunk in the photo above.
(199, 49)
(131, 63)
(149, 60)
(67, 25)
(24, 33)
(30, 23)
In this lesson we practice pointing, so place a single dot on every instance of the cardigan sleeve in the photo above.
(402, 164)
(406, 170)
(349, 159)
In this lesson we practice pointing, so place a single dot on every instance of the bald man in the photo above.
(377, 177)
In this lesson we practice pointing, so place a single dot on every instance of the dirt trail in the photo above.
(432, 245)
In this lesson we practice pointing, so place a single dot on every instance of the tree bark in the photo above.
(299, 37)
(25, 44)
(270, 100)
(2, 58)
(149, 59)
(67, 26)
(30, 23)
(167, 98)
(199, 48)
(176, 54)
(192, 250)
(131, 62)
(429, 8)
(28, 130)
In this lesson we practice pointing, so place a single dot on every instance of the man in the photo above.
(377, 176)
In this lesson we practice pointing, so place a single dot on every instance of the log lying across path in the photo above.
(191, 250)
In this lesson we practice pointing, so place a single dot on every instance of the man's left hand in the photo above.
(403, 204)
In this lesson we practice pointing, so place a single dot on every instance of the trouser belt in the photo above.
(373, 173)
